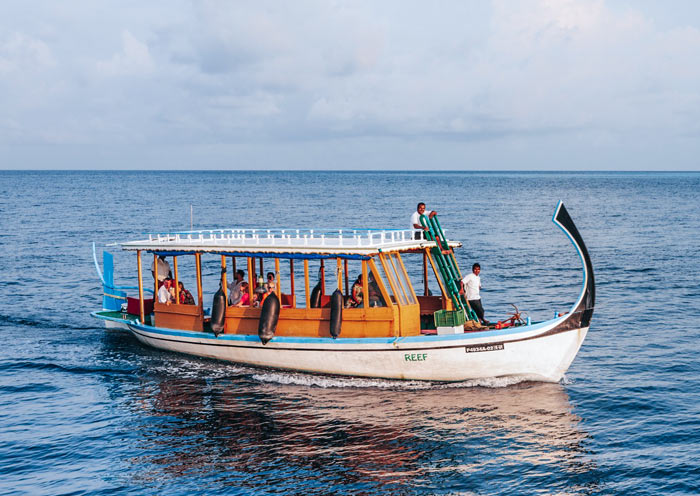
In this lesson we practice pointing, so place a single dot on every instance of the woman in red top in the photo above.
(245, 297)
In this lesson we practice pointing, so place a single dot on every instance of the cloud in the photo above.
(134, 58)
(21, 53)
(215, 72)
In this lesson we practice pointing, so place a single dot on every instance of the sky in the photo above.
(356, 85)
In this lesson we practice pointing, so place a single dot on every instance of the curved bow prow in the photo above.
(582, 311)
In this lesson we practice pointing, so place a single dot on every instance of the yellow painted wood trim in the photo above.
(405, 275)
(198, 263)
(339, 274)
(426, 289)
(432, 264)
(398, 277)
(177, 280)
(277, 278)
(141, 310)
(224, 282)
(380, 283)
(323, 277)
(155, 273)
(291, 281)
(116, 297)
(388, 276)
(251, 278)
(307, 296)
(365, 287)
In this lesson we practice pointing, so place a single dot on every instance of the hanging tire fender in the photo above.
(218, 312)
(315, 299)
(336, 313)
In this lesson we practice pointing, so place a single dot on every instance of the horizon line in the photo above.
(593, 171)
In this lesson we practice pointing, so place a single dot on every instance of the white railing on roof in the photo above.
(297, 238)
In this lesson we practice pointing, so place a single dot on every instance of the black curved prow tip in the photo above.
(582, 311)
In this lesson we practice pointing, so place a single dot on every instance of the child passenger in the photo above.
(245, 297)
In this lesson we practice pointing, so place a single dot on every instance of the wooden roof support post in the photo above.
(200, 296)
(323, 277)
(138, 263)
(251, 279)
(426, 290)
(291, 281)
(392, 265)
(385, 294)
(155, 273)
(262, 270)
(177, 281)
(406, 278)
(445, 296)
(365, 286)
(307, 296)
(277, 278)
(454, 259)
(224, 282)
(397, 292)
(339, 273)
(380, 283)
(347, 291)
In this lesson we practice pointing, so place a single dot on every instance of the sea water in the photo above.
(84, 410)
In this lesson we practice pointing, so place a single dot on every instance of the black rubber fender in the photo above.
(336, 313)
(218, 312)
(269, 315)
(315, 299)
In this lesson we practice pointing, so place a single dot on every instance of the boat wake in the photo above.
(299, 379)
(197, 369)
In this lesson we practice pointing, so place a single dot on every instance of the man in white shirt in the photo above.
(163, 269)
(471, 285)
(164, 292)
(234, 288)
(415, 220)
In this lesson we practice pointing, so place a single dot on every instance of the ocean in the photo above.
(84, 410)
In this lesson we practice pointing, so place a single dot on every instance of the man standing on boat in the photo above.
(163, 269)
(471, 285)
(415, 220)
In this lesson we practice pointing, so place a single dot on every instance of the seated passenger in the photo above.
(164, 292)
(186, 297)
(270, 281)
(234, 288)
(355, 300)
(245, 297)
(268, 291)
(258, 296)
(375, 296)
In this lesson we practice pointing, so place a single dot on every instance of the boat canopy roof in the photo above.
(284, 243)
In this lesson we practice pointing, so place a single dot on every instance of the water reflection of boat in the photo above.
(378, 437)
(393, 333)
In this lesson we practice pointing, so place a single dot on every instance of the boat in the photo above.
(393, 333)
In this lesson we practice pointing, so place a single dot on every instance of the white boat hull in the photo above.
(530, 353)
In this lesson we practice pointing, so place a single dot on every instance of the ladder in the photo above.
(447, 264)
